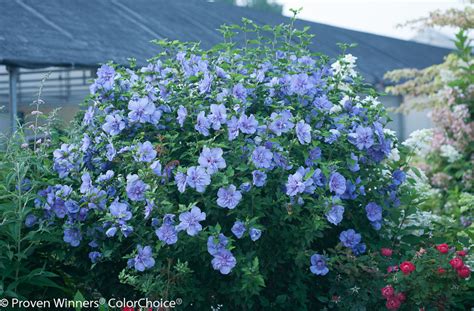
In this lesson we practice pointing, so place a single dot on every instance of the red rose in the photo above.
(461, 253)
(456, 263)
(393, 303)
(387, 252)
(441, 271)
(392, 269)
(401, 297)
(388, 291)
(464, 272)
(442, 248)
(407, 267)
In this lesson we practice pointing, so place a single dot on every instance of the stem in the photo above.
(19, 224)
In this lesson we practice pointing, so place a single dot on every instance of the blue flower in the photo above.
(295, 184)
(145, 152)
(359, 249)
(150, 205)
(300, 84)
(72, 206)
(224, 261)
(105, 80)
(262, 157)
(350, 238)
(259, 178)
(233, 128)
(120, 211)
(314, 156)
(247, 125)
(211, 159)
(255, 234)
(182, 113)
(189, 221)
(374, 212)
(111, 232)
(156, 167)
(335, 215)
(215, 245)
(218, 116)
(167, 233)
(281, 122)
(143, 260)
(205, 84)
(95, 256)
(337, 183)
(114, 124)
(141, 110)
(30, 220)
(245, 187)
(110, 152)
(362, 138)
(239, 92)
(335, 134)
(202, 124)
(354, 163)
(181, 181)
(198, 178)
(72, 236)
(398, 177)
(318, 265)
(238, 229)
(136, 188)
(228, 197)
(303, 132)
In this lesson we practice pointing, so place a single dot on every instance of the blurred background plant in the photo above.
(444, 153)
(24, 168)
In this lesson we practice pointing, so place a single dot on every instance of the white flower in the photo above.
(349, 58)
(344, 100)
(450, 153)
(345, 66)
(389, 132)
(371, 101)
(335, 109)
(420, 141)
(394, 155)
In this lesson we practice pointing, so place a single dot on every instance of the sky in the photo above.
(374, 16)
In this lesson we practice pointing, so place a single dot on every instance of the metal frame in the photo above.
(13, 98)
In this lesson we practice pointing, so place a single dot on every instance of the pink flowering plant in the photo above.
(410, 267)
(444, 153)
(223, 176)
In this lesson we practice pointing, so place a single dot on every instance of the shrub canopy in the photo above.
(221, 176)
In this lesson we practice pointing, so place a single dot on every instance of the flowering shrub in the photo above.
(445, 152)
(432, 277)
(222, 176)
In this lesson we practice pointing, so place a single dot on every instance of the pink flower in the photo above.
(388, 291)
(401, 296)
(461, 253)
(456, 263)
(464, 272)
(443, 248)
(393, 303)
(387, 252)
(407, 267)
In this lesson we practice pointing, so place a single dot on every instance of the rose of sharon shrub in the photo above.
(223, 175)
